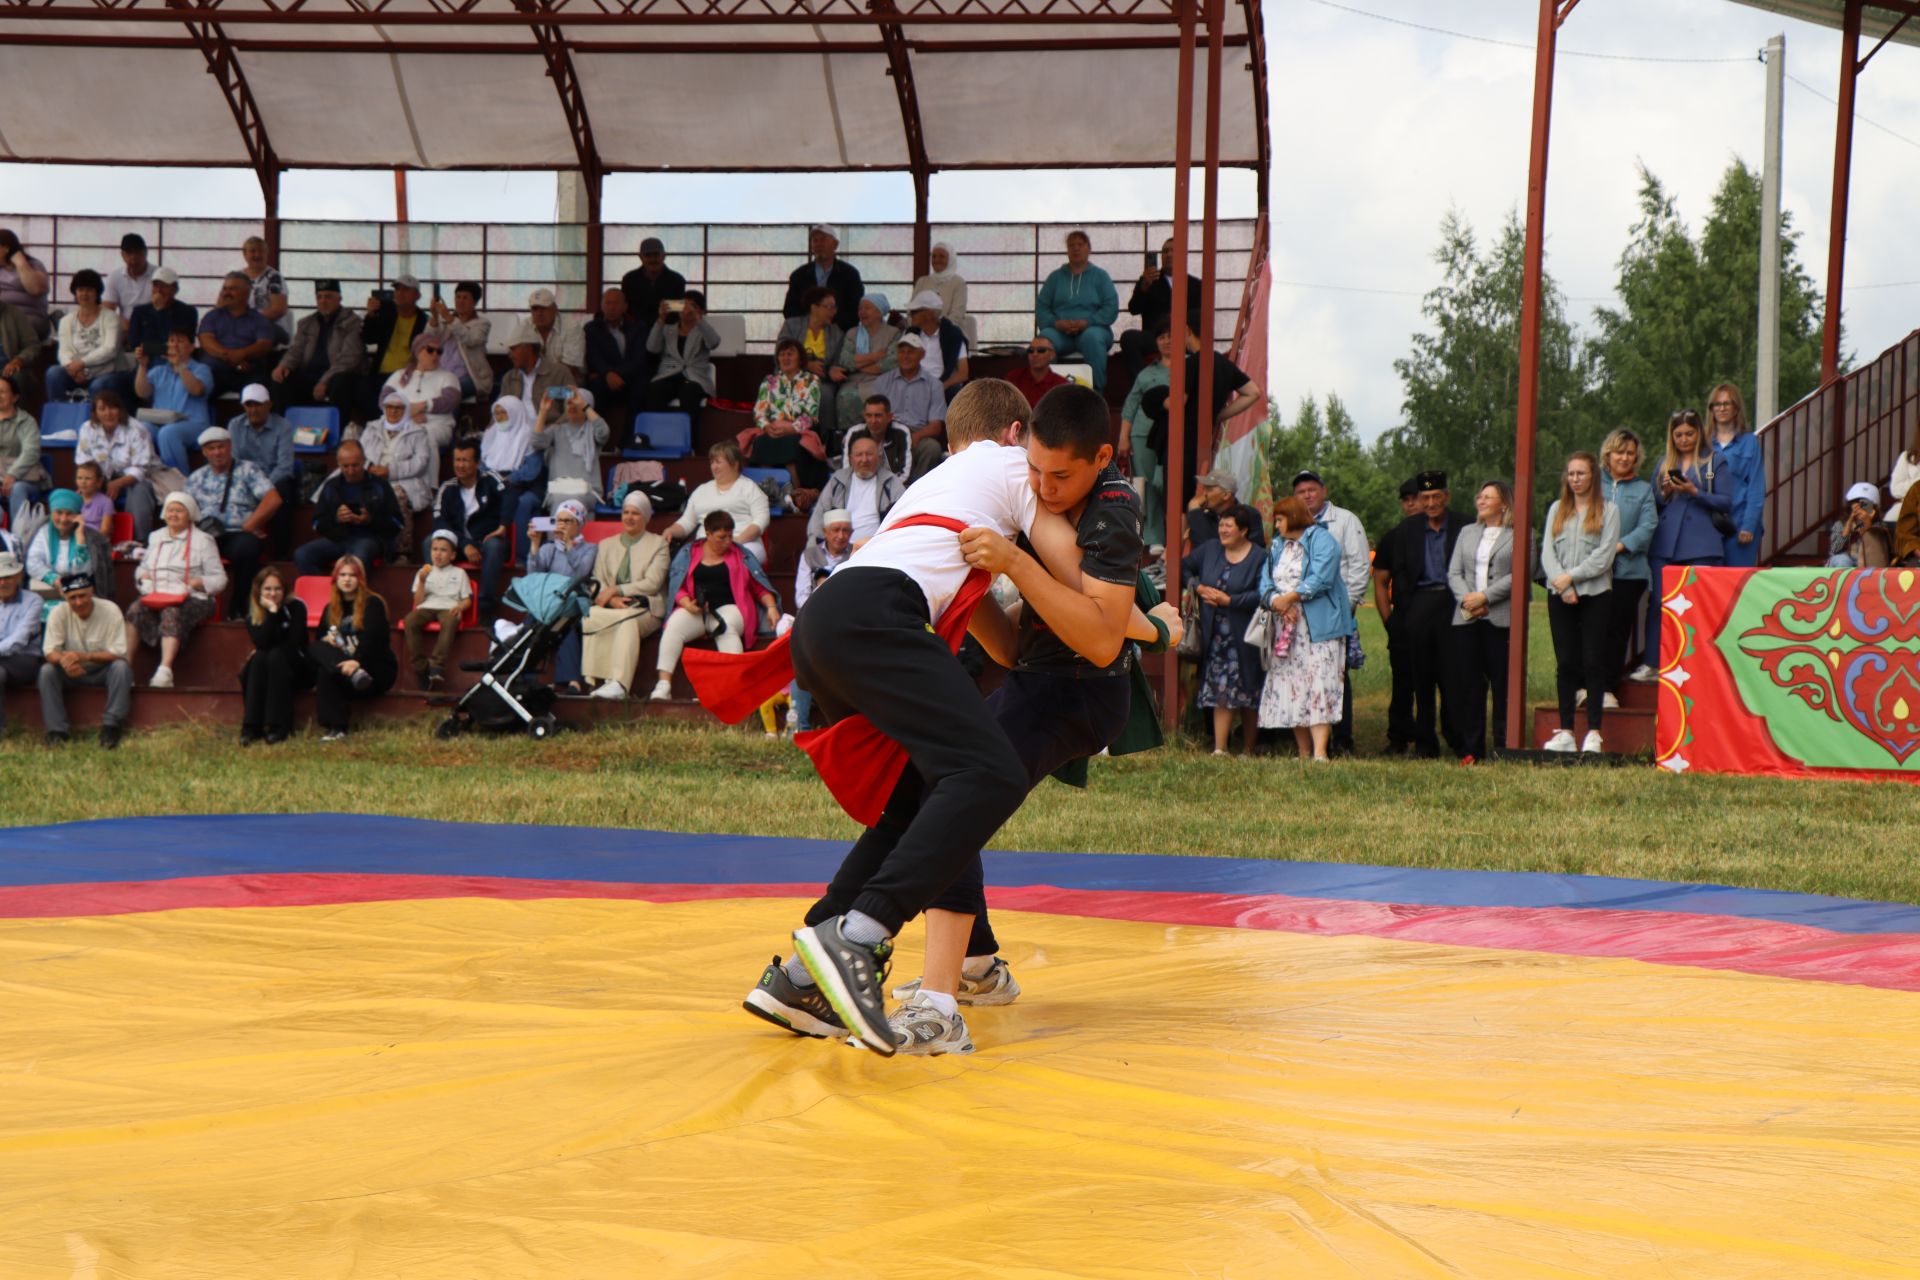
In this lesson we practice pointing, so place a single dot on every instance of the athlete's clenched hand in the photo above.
(985, 549)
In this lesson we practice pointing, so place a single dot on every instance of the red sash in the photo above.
(860, 765)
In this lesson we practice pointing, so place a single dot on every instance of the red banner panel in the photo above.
(1804, 672)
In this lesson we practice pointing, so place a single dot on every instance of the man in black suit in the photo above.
(824, 268)
(616, 362)
(1410, 590)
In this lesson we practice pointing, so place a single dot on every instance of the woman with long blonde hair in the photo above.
(1737, 452)
(353, 654)
(1582, 538)
(1690, 491)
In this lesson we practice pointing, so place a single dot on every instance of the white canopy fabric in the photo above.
(772, 86)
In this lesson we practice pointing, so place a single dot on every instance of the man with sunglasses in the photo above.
(1038, 377)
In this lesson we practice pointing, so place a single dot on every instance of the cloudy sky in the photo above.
(1379, 128)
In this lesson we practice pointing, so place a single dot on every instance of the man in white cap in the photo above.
(917, 402)
(560, 337)
(530, 371)
(824, 269)
(946, 357)
(1859, 541)
(864, 488)
(160, 315)
(265, 439)
(20, 611)
(243, 500)
(392, 323)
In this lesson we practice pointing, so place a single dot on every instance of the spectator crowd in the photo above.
(477, 471)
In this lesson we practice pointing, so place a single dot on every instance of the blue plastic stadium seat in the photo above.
(324, 416)
(62, 419)
(670, 435)
(757, 474)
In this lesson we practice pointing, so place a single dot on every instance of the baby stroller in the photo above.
(510, 696)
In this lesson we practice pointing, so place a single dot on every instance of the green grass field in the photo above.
(1854, 839)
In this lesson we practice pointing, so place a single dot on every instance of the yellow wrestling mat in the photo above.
(465, 1088)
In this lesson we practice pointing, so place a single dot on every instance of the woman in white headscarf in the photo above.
(177, 579)
(572, 446)
(400, 451)
(865, 353)
(631, 568)
(506, 449)
(945, 280)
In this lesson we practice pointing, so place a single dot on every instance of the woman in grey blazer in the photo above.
(1481, 577)
(681, 342)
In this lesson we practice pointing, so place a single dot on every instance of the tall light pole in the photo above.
(1766, 391)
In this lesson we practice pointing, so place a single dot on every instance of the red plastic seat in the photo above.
(313, 591)
(597, 531)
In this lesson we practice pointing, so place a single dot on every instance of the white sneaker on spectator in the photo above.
(611, 690)
(1579, 697)
(662, 691)
(1562, 740)
(162, 678)
(1644, 674)
(1593, 746)
(1610, 702)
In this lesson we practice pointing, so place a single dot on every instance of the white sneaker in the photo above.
(920, 1029)
(1580, 698)
(1592, 746)
(662, 691)
(1610, 702)
(994, 987)
(611, 690)
(1644, 674)
(162, 678)
(1562, 740)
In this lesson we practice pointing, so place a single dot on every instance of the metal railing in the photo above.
(742, 268)
(1851, 430)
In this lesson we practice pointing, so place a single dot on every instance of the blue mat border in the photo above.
(167, 848)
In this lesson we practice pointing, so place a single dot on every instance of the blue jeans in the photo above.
(566, 659)
(1091, 344)
(1654, 563)
(175, 442)
(23, 496)
(315, 559)
(60, 382)
(493, 566)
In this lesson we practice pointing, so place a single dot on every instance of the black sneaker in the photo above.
(804, 1011)
(853, 976)
(55, 739)
(110, 736)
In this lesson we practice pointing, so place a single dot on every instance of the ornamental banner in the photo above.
(1804, 672)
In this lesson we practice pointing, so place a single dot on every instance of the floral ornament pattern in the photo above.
(1844, 649)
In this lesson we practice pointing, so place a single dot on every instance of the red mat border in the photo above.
(1737, 944)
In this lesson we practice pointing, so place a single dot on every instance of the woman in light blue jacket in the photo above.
(1582, 538)
(1622, 487)
(1300, 581)
(1738, 451)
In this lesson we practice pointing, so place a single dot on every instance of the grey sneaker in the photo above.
(922, 1030)
(853, 977)
(996, 987)
(785, 1003)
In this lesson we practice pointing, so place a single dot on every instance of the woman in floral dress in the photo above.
(1226, 574)
(1300, 582)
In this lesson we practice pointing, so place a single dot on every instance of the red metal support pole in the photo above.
(399, 195)
(1177, 372)
(1209, 232)
(1527, 419)
(1842, 184)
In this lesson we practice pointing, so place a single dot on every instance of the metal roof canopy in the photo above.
(611, 86)
(1883, 21)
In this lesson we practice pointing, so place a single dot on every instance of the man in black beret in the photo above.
(1416, 606)
(326, 361)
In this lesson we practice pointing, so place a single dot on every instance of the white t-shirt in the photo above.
(446, 588)
(933, 361)
(983, 486)
(863, 504)
(124, 293)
